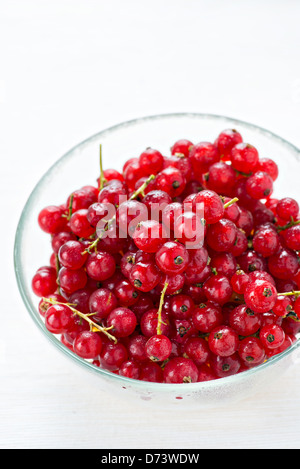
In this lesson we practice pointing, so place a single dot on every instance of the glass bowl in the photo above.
(80, 166)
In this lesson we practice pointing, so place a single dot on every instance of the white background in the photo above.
(71, 68)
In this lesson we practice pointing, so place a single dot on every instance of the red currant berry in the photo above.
(225, 366)
(144, 276)
(149, 235)
(218, 288)
(44, 282)
(226, 140)
(51, 219)
(196, 348)
(244, 321)
(251, 351)
(123, 321)
(259, 185)
(102, 301)
(158, 348)
(87, 344)
(151, 161)
(223, 341)
(180, 370)
(171, 180)
(272, 336)
(202, 156)
(206, 317)
(244, 157)
(172, 258)
(260, 296)
(182, 146)
(287, 208)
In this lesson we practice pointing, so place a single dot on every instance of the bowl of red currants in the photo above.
(162, 256)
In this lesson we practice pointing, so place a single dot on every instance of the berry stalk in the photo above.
(93, 325)
(161, 303)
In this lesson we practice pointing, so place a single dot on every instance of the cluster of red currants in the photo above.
(128, 290)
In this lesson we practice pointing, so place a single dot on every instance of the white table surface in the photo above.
(71, 68)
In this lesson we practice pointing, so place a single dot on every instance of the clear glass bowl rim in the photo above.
(146, 385)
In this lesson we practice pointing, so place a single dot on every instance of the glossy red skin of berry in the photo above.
(221, 178)
(267, 165)
(240, 245)
(223, 341)
(51, 220)
(172, 258)
(198, 260)
(102, 301)
(196, 348)
(149, 320)
(283, 306)
(43, 305)
(226, 140)
(189, 229)
(266, 242)
(225, 366)
(171, 180)
(80, 299)
(87, 344)
(283, 265)
(206, 317)
(44, 282)
(71, 254)
(71, 280)
(129, 214)
(158, 348)
(221, 235)
(245, 221)
(136, 346)
(123, 321)
(180, 370)
(82, 198)
(170, 213)
(239, 281)
(287, 208)
(157, 201)
(100, 265)
(114, 192)
(202, 156)
(181, 306)
(59, 319)
(110, 174)
(97, 212)
(152, 372)
(175, 283)
(212, 205)
(182, 164)
(232, 212)
(127, 262)
(205, 373)
(130, 369)
(126, 293)
(144, 276)
(271, 336)
(251, 351)
(260, 296)
(260, 185)
(182, 146)
(218, 288)
(151, 161)
(149, 236)
(244, 321)
(288, 341)
(292, 238)
(224, 263)
(244, 157)
(61, 238)
(113, 355)
(80, 225)
(251, 261)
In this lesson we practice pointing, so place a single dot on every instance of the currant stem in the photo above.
(139, 191)
(232, 201)
(102, 178)
(288, 225)
(57, 264)
(70, 206)
(161, 302)
(290, 293)
(86, 317)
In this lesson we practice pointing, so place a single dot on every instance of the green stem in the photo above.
(288, 225)
(290, 293)
(85, 317)
(232, 201)
(102, 178)
(161, 303)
